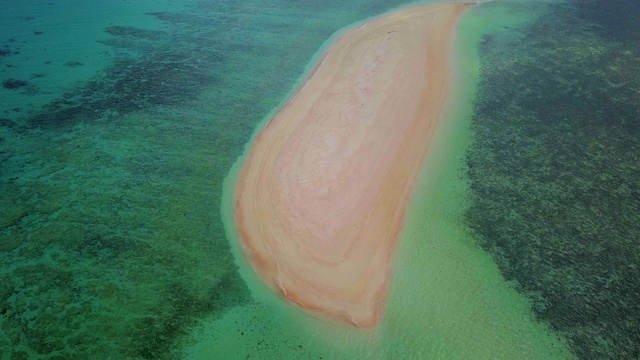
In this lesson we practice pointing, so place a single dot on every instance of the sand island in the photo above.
(322, 194)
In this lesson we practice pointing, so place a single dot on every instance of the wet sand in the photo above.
(322, 195)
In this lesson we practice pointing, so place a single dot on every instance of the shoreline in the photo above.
(323, 232)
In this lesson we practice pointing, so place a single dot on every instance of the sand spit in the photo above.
(321, 197)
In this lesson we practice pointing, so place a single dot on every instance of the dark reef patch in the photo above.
(149, 73)
(73, 64)
(131, 85)
(7, 122)
(13, 84)
(618, 21)
(179, 315)
(555, 173)
(133, 32)
(177, 18)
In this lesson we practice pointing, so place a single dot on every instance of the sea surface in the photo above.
(123, 124)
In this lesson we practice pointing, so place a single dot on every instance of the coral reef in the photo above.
(555, 174)
(13, 84)
(73, 64)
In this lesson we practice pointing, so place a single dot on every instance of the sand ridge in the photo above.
(321, 197)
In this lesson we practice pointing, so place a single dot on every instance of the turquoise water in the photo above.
(119, 122)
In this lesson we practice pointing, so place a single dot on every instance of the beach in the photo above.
(321, 198)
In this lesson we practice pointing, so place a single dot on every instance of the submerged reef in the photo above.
(111, 234)
(13, 84)
(158, 75)
(112, 251)
(133, 32)
(555, 172)
(73, 64)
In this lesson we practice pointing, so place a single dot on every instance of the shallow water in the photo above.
(114, 153)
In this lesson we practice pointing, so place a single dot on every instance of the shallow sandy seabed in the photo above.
(321, 198)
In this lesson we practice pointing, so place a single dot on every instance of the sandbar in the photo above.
(322, 194)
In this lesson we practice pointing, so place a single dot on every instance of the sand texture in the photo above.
(321, 197)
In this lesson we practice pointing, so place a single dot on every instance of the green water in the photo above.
(115, 153)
